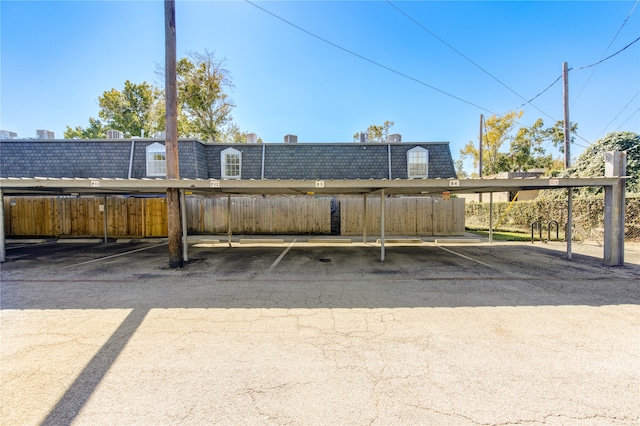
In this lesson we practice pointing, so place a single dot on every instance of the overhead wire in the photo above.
(324, 40)
(370, 60)
(605, 51)
(415, 21)
(625, 121)
(618, 115)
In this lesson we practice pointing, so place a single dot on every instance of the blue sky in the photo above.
(58, 57)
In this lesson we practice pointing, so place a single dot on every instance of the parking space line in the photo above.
(461, 255)
(114, 255)
(275, 262)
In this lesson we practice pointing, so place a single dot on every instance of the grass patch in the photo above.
(505, 236)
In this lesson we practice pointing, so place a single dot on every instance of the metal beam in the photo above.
(49, 186)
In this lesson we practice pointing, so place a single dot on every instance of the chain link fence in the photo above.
(588, 217)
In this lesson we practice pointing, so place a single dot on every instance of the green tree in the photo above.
(376, 133)
(95, 130)
(526, 151)
(497, 132)
(555, 134)
(130, 110)
(591, 164)
(202, 84)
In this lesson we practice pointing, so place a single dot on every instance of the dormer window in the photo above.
(156, 160)
(417, 163)
(231, 163)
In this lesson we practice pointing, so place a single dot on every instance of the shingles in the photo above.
(109, 158)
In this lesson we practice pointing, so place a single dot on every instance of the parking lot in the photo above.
(318, 333)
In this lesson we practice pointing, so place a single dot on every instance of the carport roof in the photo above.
(68, 186)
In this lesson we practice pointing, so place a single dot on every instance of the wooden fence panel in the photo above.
(403, 216)
(147, 217)
(448, 216)
(155, 218)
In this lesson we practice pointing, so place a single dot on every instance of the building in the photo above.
(145, 158)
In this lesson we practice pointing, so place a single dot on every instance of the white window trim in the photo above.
(223, 163)
(156, 168)
(418, 149)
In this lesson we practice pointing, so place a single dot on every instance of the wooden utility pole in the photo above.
(567, 155)
(480, 156)
(176, 259)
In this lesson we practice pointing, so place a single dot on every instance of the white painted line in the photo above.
(112, 256)
(275, 263)
(461, 255)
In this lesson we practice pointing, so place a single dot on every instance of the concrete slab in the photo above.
(400, 241)
(25, 240)
(458, 241)
(79, 240)
(329, 240)
(261, 241)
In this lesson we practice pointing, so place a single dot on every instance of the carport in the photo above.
(613, 185)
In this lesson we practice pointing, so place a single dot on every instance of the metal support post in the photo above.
(183, 214)
(105, 219)
(382, 225)
(490, 217)
(229, 219)
(364, 219)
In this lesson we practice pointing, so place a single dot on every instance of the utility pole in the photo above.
(567, 155)
(480, 156)
(176, 259)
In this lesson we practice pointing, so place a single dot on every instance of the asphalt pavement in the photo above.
(294, 332)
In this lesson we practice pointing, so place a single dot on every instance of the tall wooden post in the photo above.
(480, 156)
(176, 259)
(567, 155)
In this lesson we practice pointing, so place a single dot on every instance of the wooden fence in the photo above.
(147, 217)
(403, 216)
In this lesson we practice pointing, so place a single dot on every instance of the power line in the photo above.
(539, 94)
(608, 57)
(605, 50)
(625, 121)
(369, 60)
(618, 115)
(467, 58)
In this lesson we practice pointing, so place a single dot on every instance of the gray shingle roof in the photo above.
(111, 159)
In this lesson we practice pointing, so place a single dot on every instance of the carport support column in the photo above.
(382, 225)
(183, 213)
(490, 217)
(615, 165)
(229, 219)
(3, 251)
(364, 218)
(105, 219)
